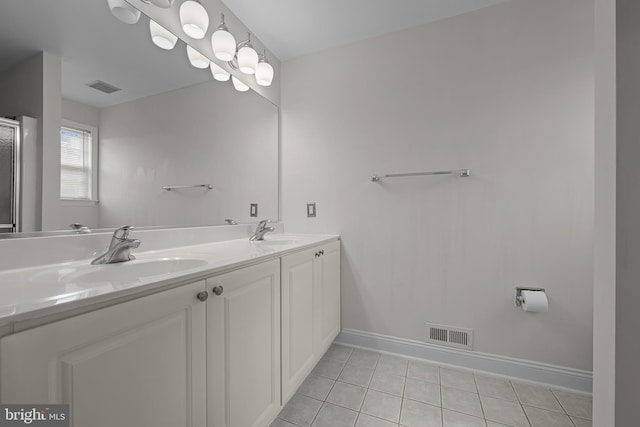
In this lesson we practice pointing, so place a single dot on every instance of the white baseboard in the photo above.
(558, 377)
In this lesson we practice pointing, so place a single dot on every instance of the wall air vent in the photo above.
(103, 87)
(449, 336)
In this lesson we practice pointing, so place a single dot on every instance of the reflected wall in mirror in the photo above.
(170, 124)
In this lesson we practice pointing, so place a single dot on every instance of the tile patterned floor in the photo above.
(353, 387)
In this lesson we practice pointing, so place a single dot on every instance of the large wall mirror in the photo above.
(169, 125)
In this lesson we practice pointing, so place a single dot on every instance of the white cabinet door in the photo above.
(243, 347)
(299, 352)
(310, 311)
(327, 294)
(140, 363)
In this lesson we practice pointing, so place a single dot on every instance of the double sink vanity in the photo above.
(215, 331)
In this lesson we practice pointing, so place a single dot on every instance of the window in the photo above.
(78, 161)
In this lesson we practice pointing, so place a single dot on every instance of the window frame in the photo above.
(93, 130)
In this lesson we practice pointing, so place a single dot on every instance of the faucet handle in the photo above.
(263, 223)
(123, 232)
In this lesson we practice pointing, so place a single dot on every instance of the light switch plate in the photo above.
(311, 210)
(253, 209)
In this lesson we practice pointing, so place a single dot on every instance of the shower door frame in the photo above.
(15, 195)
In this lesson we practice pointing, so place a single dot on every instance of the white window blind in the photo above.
(75, 163)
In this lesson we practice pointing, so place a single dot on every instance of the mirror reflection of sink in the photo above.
(117, 273)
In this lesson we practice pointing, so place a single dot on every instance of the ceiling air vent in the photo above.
(103, 87)
(449, 336)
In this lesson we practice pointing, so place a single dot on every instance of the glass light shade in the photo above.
(224, 45)
(240, 87)
(194, 19)
(124, 11)
(164, 4)
(264, 73)
(197, 59)
(161, 37)
(247, 60)
(219, 73)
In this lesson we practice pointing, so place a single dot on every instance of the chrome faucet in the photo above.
(261, 230)
(79, 228)
(119, 248)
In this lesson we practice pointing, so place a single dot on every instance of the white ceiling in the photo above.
(93, 45)
(292, 28)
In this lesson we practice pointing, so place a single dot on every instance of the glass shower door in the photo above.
(9, 175)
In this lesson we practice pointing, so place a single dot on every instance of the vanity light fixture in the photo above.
(240, 87)
(124, 11)
(264, 71)
(247, 56)
(219, 73)
(195, 23)
(223, 42)
(161, 37)
(197, 59)
(194, 19)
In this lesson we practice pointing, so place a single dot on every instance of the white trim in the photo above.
(558, 377)
(78, 202)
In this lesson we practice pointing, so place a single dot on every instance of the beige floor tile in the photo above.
(422, 391)
(495, 387)
(461, 401)
(347, 395)
(365, 420)
(416, 414)
(504, 412)
(423, 371)
(335, 416)
(458, 379)
(300, 410)
(543, 418)
(576, 405)
(538, 397)
(386, 383)
(358, 375)
(382, 405)
(456, 419)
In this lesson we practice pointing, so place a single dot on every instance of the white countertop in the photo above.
(38, 292)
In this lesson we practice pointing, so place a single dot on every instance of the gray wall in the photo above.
(604, 261)
(506, 91)
(628, 214)
(203, 134)
(33, 88)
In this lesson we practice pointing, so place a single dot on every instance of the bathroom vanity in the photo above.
(224, 342)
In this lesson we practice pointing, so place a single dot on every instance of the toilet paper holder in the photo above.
(519, 290)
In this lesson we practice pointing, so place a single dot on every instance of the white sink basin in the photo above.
(132, 270)
(48, 286)
(122, 272)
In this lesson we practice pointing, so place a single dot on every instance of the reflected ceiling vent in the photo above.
(103, 87)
